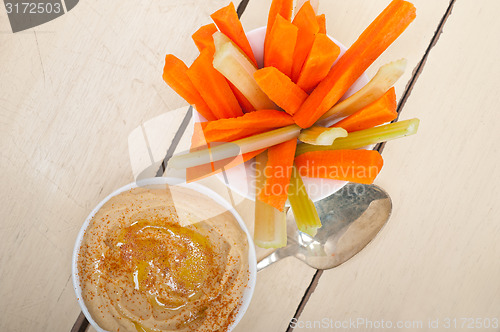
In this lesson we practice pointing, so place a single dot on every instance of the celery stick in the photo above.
(233, 149)
(270, 223)
(304, 211)
(221, 39)
(231, 62)
(320, 135)
(385, 78)
(362, 138)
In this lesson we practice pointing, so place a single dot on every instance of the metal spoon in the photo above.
(350, 219)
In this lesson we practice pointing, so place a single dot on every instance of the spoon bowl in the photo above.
(350, 219)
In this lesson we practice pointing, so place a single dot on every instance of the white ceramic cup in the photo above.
(252, 261)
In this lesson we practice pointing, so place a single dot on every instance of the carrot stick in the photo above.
(175, 75)
(198, 139)
(245, 105)
(372, 42)
(280, 89)
(213, 87)
(308, 26)
(202, 171)
(227, 130)
(278, 7)
(323, 54)
(361, 166)
(262, 118)
(203, 37)
(379, 112)
(383, 80)
(201, 139)
(230, 135)
(281, 46)
(229, 24)
(321, 19)
(231, 62)
(278, 172)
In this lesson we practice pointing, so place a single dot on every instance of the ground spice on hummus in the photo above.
(145, 265)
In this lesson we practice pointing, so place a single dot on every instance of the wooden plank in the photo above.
(72, 91)
(438, 257)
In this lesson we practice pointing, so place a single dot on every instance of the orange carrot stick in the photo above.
(280, 89)
(321, 19)
(282, 40)
(323, 54)
(372, 42)
(278, 172)
(198, 139)
(245, 105)
(379, 112)
(278, 7)
(361, 166)
(202, 171)
(229, 135)
(203, 37)
(308, 26)
(262, 118)
(229, 24)
(213, 87)
(175, 75)
(227, 130)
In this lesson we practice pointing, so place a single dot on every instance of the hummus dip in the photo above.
(146, 266)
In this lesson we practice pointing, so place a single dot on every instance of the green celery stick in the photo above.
(362, 138)
(317, 135)
(235, 148)
(385, 78)
(231, 62)
(304, 211)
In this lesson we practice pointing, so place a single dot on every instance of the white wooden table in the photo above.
(75, 90)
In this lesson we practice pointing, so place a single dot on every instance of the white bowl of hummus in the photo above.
(161, 256)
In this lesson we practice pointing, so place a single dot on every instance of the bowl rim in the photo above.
(252, 258)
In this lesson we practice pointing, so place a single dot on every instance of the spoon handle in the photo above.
(275, 256)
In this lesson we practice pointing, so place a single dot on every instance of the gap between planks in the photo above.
(409, 87)
(175, 141)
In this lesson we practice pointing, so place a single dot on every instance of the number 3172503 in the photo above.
(33, 8)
